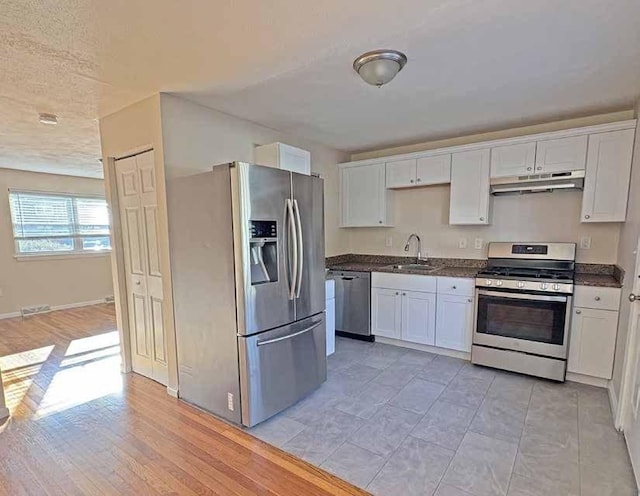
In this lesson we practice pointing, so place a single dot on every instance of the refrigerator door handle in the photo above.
(300, 251)
(293, 250)
(289, 336)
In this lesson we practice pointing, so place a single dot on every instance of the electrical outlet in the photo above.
(462, 243)
(388, 242)
(585, 243)
(230, 401)
(478, 243)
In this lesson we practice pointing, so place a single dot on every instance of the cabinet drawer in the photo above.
(456, 286)
(406, 282)
(598, 298)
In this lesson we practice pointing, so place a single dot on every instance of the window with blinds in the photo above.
(50, 223)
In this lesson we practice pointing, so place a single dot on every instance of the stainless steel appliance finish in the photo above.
(538, 183)
(523, 308)
(353, 303)
(281, 366)
(247, 253)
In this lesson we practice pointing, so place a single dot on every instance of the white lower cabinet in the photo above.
(454, 322)
(592, 342)
(386, 312)
(418, 317)
(407, 308)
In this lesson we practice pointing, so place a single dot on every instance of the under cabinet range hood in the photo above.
(537, 183)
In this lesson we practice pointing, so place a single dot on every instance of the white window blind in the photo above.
(49, 223)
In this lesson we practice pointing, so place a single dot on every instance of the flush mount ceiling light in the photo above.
(48, 119)
(379, 66)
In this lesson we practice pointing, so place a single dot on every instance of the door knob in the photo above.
(632, 297)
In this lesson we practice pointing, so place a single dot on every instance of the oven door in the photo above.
(526, 322)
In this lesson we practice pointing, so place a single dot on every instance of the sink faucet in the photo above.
(407, 246)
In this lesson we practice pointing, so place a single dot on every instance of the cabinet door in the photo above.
(606, 183)
(593, 341)
(513, 160)
(433, 170)
(418, 317)
(363, 196)
(454, 320)
(561, 155)
(401, 173)
(469, 202)
(386, 313)
(294, 159)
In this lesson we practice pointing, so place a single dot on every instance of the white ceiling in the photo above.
(473, 66)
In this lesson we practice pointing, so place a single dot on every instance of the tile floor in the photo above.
(403, 422)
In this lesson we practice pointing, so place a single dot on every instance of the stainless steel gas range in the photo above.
(523, 308)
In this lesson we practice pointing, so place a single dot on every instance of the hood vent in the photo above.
(537, 183)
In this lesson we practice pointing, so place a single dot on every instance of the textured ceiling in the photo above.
(287, 64)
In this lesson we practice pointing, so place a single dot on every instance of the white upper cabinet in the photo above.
(513, 160)
(469, 202)
(401, 173)
(418, 317)
(433, 170)
(561, 155)
(606, 183)
(423, 171)
(284, 157)
(364, 197)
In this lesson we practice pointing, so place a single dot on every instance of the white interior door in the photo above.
(631, 385)
(138, 205)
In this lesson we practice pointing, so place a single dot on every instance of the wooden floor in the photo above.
(80, 427)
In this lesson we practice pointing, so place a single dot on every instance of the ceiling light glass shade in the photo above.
(380, 66)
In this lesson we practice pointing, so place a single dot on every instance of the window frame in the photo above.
(76, 237)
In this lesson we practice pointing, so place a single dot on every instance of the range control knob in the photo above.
(556, 287)
(520, 284)
(488, 282)
(543, 285)
(499, 283)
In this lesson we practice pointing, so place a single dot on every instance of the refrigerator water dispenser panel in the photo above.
(264, 251)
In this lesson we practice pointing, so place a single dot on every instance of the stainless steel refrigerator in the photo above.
(247, 266)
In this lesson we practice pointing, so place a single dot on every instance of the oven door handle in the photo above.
(521, 296)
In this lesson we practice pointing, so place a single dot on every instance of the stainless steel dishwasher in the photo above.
(353, 303)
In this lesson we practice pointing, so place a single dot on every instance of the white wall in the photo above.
(539, 217)
(196, 138)
(626, 259)
(50, 280)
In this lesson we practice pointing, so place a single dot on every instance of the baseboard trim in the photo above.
(172, 392)
(613, 402)
(54, 308)
(587, 379)
(424, 347)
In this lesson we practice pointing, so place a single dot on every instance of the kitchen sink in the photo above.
(410, 266)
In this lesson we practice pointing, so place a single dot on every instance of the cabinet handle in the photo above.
(411, 181)
(453, 287)
(578, 312)
(379, 222)
(538, 168)
(528, 168)
(404, 294)
(397, 293)
(597, 298)
(587, 216)
(419, 179)
(482, 219)
(469, 300)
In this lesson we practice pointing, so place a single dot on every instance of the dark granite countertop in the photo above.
(608, 276)
(601, 280)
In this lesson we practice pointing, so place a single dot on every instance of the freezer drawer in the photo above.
(279, 367)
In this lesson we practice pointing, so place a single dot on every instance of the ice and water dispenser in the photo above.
(264, 251)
